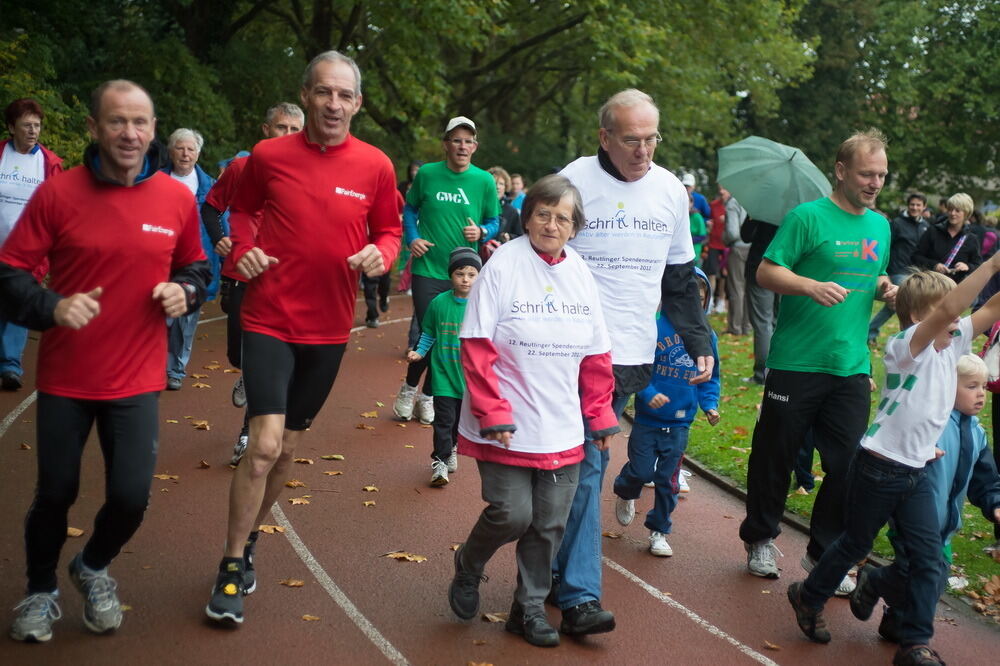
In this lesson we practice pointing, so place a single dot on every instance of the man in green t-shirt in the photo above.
(828, 260)
(450, 204)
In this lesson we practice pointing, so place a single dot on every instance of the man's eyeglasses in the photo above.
(633, 143)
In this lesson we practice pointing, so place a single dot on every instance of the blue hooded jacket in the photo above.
(205, 183)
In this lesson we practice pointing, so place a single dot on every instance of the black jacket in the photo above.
(905, 232)
(936, 244)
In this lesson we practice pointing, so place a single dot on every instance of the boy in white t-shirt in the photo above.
(888, 476)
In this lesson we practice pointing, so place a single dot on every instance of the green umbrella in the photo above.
(768, 178)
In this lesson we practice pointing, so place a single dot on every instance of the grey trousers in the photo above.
(529, 506)
(736, 283)
(763, 306)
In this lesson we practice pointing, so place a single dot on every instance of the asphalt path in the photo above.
(697, 607)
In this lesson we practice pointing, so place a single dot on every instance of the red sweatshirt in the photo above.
(321, 204)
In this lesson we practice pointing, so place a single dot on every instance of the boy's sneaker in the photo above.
(658, 544)
(624, 510)
(846, 586)
(372, 323)
(682, 482)
(102, 612)
(403, 406)
(889, 627)
(760, 558)
(864, 598)
(226, 603)
(249, 575)
(425, 409)
(810, 620)
(439, 474)
(916, 655)
(649, 484)
(463, 593)
(383, 304)
(37, 613)
(452, 461)
(240, 447)
(239, 393)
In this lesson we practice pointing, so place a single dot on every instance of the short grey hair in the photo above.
(184, 133)
(550, 190)
(624, 99)
(331, 56)
(284, 109)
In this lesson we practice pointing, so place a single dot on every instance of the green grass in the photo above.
(726, 449)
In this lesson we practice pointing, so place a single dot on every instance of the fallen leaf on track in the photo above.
(172, 421)
(164, 490)
(310, 618)
(304, 461)
(203, 464)
(478, 641)
(214, 365)
(200, 385)
(197, 376)
(166, 477)
(201, 425)
(271, 529)
(364, 426)
(370, 489)
(771, 646)
(379, 403)
(231, 371)
(407, 446)
(368, 503)
(369, 415)
(294, 483)
(456, 546)
(400, 555)
(332, 456)
(400, 425)
(495, 617)
(612, 535)
(74, 532)
(295, 501)
(126, 607)
(25, 447)
(335, 472)
(292, 582)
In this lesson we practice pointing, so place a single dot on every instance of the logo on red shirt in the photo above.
(155, 229)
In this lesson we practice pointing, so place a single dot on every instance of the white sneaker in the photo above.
(624, 510)
(658, 544)
(425, 409)
(846, 586)
(720, 307)
(682, 482)
(239, 393)
(452, 461)
(650, 484)
(439, 474)
(403, 406)
(760, 558)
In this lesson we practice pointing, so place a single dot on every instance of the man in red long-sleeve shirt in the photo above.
(330, 209)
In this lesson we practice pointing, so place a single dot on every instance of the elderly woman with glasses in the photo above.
(536, 355)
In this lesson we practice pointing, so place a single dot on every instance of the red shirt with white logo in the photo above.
(125, 240)
(220, 197)
(321, 204)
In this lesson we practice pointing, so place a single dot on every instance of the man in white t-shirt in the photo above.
(637, 243)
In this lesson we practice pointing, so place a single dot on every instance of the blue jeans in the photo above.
(885, 314)
(578, 563)
(180, 340)
(653, 455)
(877, 491)
(12, 341)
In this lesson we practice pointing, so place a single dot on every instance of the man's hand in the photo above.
(502, 436)
(827, 293)
(172, 297)
(369, 260)
(658, 401)
(413, 357)
(472, 231)
(713, 417)
(889, 294)
(223, 247)
(254, 262)
(77, 310)
(705, 366)
(419, 247)
(604, 443)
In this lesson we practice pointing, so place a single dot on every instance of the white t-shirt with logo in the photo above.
(543, 319)
(917, 398)
(20, 175)
(633, 231)
(191, 180)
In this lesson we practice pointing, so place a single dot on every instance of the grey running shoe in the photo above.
(425, 409)
(249, 575)
(240, 447)
(33, 623)
(452, 461)
(102, 612)
(760, 558)
(403, 406)
(226, 604)
(439, 474)
(624, 510)
(239, 393)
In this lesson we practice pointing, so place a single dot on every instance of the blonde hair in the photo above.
(920, 293)
(962, 202)
(970, 365)
(871, 140)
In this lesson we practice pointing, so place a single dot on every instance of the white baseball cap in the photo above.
(459, 121)
(688, 180)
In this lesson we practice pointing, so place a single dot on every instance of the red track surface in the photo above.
(698, 607)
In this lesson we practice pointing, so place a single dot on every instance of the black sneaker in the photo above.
(916, 655)
(463, 593)
(174, 383)
(226, 604)
(587, 618)
(383, 304)
(888, 628)
(10, 381)
(864, 597)
(535, 627)
(249, 575)
(810, 620)
(371, 323)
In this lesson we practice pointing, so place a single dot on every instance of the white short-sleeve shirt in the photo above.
(20, 175)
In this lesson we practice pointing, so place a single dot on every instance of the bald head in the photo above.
(115, 85)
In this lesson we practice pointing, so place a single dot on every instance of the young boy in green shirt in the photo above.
(439, 336)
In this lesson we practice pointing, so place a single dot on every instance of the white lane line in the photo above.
(381, 323)
(691, 615)
(341, 599)
(17, 412)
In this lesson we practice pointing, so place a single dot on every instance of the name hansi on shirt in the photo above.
(350, 193)
(156, 229)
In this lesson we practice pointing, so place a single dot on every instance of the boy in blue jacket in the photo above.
(966, 469)
(664, 411)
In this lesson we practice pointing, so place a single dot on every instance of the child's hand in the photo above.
(658, 401)
(413, 357)
(872, 386)
(502, 436)
(937, 454)
(713, 417)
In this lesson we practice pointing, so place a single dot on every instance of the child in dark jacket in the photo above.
(664, 411)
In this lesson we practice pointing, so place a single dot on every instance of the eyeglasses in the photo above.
(545, 216)
(633, 143)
